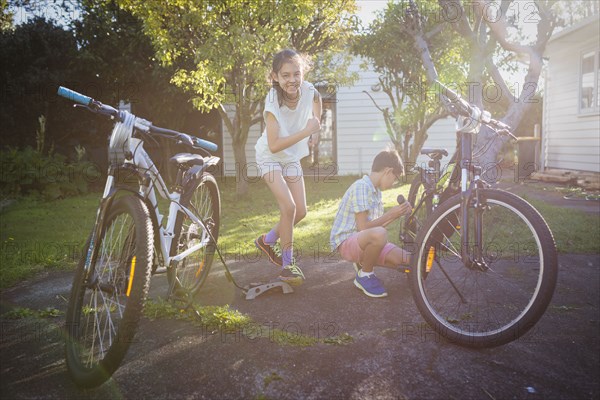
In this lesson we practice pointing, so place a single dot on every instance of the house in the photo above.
(571, 122)
(353, 132)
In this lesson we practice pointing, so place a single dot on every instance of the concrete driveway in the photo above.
(392, 355)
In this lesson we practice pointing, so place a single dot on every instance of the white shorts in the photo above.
(287, 168)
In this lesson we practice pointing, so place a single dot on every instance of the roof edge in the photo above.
(573, 28)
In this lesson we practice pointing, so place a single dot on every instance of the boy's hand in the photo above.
(396, 212)
(401, 210)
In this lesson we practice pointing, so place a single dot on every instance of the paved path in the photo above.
(393, 356)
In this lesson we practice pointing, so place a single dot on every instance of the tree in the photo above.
(116, 61)
(395, 58)
(35, 58)
(571, 11)
(116, 56)
(6, 17)
(491, 30)
(222, 50)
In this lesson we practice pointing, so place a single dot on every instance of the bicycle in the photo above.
(430, 186)
(485, 262)
(131, 240)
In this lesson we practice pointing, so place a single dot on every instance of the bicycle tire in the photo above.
(102, 316)
(205, 202)
(423, 205)
(501, 302)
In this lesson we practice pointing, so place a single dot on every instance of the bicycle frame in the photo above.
(151, 181)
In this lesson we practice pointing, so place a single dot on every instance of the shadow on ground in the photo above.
(393, 354)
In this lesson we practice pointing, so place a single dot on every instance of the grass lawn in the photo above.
(245, 220)
(36, 235)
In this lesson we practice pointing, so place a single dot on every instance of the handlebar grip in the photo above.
(205, 144)
(449, 93)
(74, 96)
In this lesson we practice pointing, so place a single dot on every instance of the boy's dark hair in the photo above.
(388, 159)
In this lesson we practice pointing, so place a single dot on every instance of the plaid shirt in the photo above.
(360, 196)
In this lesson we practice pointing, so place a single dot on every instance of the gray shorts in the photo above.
(288, 169)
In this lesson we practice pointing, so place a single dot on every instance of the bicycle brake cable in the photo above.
(212, 238)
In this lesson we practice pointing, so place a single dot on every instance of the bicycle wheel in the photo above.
(105, 304)
(204, 202)
(423, 206)
(494, 303)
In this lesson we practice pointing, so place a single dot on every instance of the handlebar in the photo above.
(74, 96)
(103, 109)
(462, 107)
(186, 139)
(89, 103)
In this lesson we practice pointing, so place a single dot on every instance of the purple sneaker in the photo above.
(371, 285)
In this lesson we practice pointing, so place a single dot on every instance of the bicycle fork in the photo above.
(91, 277)
(471, 251)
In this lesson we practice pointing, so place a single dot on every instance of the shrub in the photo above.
(30, 172)
(43, 173)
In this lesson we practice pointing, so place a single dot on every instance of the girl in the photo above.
(292, 117)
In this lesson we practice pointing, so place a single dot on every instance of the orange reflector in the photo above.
(200, 268)
(131, 273)
(430, 256)
(458, 227)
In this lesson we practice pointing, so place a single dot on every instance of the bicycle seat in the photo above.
(435, 153)
(187, 159)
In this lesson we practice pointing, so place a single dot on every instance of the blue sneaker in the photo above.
(371, 285)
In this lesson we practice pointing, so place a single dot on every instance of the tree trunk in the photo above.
(513, 117)
(241, 166)
(239, 139)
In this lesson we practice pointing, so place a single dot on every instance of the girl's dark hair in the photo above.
(288, 56)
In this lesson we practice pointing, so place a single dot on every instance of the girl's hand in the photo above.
(312, 126)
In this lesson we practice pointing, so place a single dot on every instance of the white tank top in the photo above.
(290, 121)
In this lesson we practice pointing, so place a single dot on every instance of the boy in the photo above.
(359, 232)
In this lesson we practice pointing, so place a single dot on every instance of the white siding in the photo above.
(441, 135)
(229, 163)
(571, 140)
(361, 131)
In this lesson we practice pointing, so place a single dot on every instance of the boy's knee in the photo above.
(378, 235)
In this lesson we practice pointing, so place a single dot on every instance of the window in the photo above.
(323, 160)
(589, 87)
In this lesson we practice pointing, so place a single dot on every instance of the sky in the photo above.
(367, 9)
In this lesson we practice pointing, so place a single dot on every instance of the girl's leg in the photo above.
(296, 187)
(298, 191)
(287, 208)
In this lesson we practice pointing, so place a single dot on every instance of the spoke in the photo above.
(451, 250)
(451, 282)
